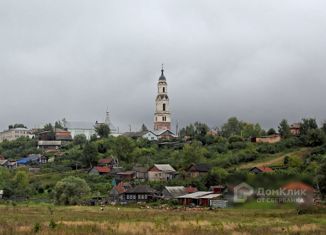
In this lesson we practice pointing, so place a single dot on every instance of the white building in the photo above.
(80, 128)
(14, 133)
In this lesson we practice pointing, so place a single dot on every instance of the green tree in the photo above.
(307, 124)
(315, 137)
(284, 129)
(143, 128)
(232, 127)
(194, 153)
(71, 191)
(89, 155)
(324, 127)
(48, 127)
(250, 130)
(271, 131)
(103, 130)
(196, 131)
(321, 179)
(80, 140)
(20, 184)
(17, 125)
(123, 147)
(58, 124)
(216, 176)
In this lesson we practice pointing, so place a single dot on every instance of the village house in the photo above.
(217, 188)
(109, 161)
(99, 170)
(63, 135)
(1, 193)
(117, 192)
(261, 169)
(32, 159)
(4, 163)
(125, 176)
(196, 170)
(200, 198)
(49, 144)
(161, 172)
(212, 132)
(140, 193)
(295, 129)
(164, 134)
(172, 192)
(12, 165)
(271, 139)
(298, 192)
(141, 172)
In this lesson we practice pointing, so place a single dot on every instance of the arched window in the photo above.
(163, 89)
(164, 107)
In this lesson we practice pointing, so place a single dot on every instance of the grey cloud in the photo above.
(259, 60)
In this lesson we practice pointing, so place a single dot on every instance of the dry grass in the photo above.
(22, 219)
(276, 159)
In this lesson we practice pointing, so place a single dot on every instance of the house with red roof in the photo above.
(116, 193)
(298, 192)
(100, 170)
(261, 169)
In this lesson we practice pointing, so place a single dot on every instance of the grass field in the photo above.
(36, 219)
(275, 159)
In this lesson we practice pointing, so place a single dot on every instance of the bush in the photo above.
(71, 191)
(238, 145)
(235, 138)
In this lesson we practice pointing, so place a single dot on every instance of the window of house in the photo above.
(164, 106)
(163, 89)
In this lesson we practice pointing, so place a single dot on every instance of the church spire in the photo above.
(162, 77)
(162, 117)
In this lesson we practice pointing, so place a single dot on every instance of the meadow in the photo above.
(49, 219)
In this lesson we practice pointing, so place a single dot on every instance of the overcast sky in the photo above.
(258, 60)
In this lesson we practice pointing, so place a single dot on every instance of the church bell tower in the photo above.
(162, 117)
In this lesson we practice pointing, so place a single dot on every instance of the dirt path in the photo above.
(278, 158)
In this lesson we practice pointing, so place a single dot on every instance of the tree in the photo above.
(250, 130)
(216, 176)
(284, 129)
(89, 155)
(321, 179)
(123, 147)
(103, 130)
(80, 139)
(48, 127)
(324, 127)
(232, 127)
(58, 124)
(197, 131)
(307, 124)
(143, 128)
(271, 131)
(194, 152)
(17, 125)
(315, 137)
(71, 191)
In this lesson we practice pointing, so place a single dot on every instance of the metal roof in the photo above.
(210, 196)
(176, 191)
(165, 167)
(196, 195)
